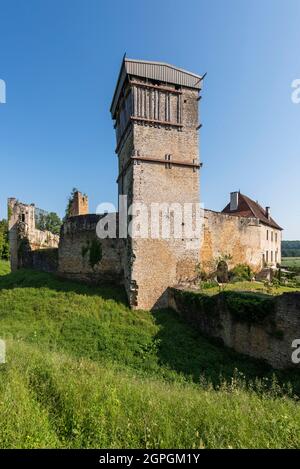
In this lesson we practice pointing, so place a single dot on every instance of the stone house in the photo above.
(244, 233)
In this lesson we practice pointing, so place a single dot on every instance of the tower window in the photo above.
(168, 158)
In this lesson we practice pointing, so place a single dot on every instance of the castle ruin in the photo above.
(29, 246)
(156, 119)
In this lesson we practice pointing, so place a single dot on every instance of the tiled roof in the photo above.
(248, 208)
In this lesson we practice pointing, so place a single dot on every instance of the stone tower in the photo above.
(79, 204)
(155, 109)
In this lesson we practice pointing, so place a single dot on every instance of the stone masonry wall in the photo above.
(270, 339)
(25, 240)
(79, 205)
(84, 257)
(238, 237)
(157, 264)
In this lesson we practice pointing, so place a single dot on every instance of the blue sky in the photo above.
(60, 61)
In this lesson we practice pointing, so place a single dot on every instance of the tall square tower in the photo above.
(155, 109)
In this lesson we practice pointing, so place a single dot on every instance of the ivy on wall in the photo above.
(243, 307)
(94, 251)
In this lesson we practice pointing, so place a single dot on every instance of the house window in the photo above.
(271, 256)
(276, 257)
(264, 259)
(272, 236)
(267, 235)
(267, 257)
(276, 237)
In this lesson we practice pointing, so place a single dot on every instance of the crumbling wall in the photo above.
(83, 256)
(25, 239)
(267, 335)
(79, 205)
(237, 238)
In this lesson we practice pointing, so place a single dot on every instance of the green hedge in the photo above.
(248, 307)
(203, 303)
(243, 307)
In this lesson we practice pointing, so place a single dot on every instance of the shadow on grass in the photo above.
(184, 349)
(33, 279)
(177, 346)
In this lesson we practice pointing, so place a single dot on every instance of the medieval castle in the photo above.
(156, 119)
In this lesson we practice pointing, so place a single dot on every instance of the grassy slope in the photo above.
(83, 370)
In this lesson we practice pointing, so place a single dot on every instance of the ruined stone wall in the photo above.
(83, 256)
(269, 339)
(79, 205)
(25, 239)
(238, 237)
(43, 260)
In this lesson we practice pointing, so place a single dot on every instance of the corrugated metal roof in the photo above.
(156, 71)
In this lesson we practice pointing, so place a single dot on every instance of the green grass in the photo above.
(257, 287)
(291, 262)
(4, 267)
(83, 370)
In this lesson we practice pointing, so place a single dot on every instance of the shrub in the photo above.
(248, 307)
(209, 284)
(241, 272)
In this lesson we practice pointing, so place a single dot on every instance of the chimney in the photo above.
(268, 213)
(234, 201)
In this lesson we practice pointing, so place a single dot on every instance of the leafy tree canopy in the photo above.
(50, 222)
(4, 245)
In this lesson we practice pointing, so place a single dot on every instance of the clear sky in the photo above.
(60, 60)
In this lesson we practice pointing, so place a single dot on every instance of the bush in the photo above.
(4, 245)
(249, 307)
(241, 272)
(209, 284)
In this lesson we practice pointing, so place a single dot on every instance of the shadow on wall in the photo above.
(184, 349)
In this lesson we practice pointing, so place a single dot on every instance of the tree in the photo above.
(53, 223)
(70, 201)
(49, 222)
(4, 244)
